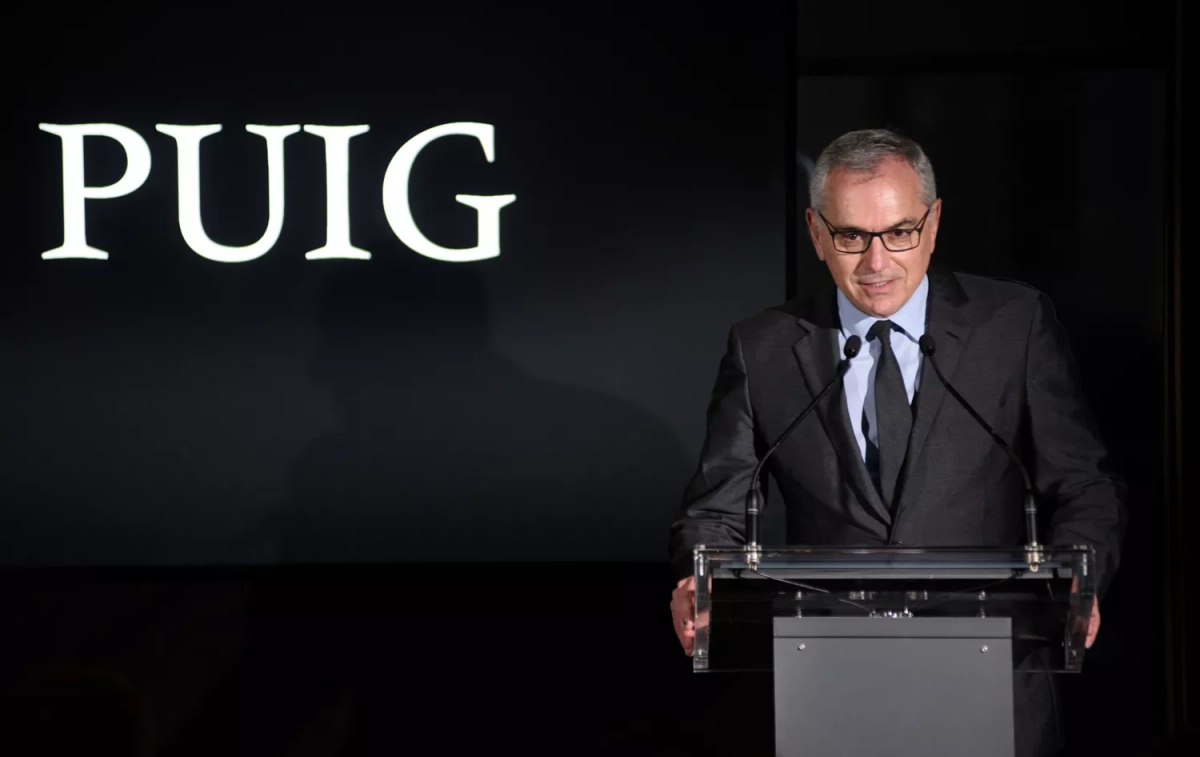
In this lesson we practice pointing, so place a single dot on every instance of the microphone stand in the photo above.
(754, 498)
(1034, 555)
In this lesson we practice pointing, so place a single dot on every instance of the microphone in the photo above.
(1033, 549)
(754, 498)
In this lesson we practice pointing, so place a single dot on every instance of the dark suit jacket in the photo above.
(998, 343)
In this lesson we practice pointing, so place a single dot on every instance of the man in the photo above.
(891, 458)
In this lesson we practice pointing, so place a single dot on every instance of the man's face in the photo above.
(877, 281)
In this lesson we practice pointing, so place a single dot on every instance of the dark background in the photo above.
(1047, 127)
(210, 445)
(540, 405)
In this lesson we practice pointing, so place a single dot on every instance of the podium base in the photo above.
(893, 687)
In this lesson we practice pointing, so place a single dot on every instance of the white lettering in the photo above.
(187, 139)
(74, 191)
(399, 213)
(337, 193)
(337, 186)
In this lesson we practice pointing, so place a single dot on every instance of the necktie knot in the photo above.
(881, 330)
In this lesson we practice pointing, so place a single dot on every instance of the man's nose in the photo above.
(875, 259)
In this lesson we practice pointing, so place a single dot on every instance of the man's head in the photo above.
(874, 217)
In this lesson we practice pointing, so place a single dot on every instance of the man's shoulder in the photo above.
(783, 318)
(992, 301)
(996, 289)
(817, 308)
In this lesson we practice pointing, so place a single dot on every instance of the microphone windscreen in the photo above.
(853, 345)
(927, 345)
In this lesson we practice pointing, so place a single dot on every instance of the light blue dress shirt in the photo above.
(859, 382)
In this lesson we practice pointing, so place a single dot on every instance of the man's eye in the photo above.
(899, 234)
(850, 236)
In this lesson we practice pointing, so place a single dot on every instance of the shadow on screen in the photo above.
(446, 461)
(445, 451)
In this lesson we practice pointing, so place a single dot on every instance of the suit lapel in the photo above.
(947, 324)
(817, 353)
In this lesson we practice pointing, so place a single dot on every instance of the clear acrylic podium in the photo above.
(892, 651)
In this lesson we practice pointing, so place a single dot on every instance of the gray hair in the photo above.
(863, 151)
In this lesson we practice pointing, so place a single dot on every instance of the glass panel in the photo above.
(737, 599)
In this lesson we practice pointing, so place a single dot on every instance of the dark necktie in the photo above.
(893, 415)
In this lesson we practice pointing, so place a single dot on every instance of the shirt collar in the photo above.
(910, 317)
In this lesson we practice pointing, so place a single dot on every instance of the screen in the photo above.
(343, 282)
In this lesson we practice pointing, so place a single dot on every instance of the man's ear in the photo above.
(814, 232)
(935, 219)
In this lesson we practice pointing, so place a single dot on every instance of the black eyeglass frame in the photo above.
(870, 235)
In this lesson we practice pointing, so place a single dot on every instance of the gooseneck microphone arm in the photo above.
(754, 498)
(1032, 548)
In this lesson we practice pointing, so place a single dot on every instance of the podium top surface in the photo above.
(1046, 594)
(892, 561)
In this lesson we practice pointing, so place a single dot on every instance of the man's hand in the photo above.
(683, 612)
(1093, 624)
(1093, 621)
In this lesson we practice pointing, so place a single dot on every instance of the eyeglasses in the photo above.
(857, 242)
